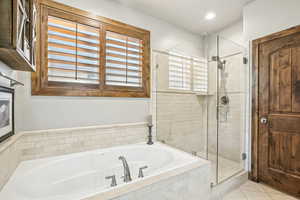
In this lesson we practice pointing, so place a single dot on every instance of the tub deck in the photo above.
(81, 176)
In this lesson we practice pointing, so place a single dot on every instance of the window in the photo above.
(188, 73)
(85, 55)
(123, 60)
(180, 72)
(200, 75)
(73, 52)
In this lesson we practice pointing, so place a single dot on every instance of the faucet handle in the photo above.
(113, 180)
(141, 174)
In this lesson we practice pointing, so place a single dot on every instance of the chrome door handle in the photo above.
(263, 120)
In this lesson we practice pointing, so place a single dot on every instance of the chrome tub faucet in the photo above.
(141, 173)
(113, 180)
(127, 176)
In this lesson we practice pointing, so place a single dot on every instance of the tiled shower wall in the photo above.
(231, 131)
(188, 121)
(180, 121)
(180, 115)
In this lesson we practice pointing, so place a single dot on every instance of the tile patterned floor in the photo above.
(255, 191)
(226, 167)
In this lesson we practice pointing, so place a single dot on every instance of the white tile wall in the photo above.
(180, 121)
(46, 143)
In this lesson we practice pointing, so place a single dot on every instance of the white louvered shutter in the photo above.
(124, 60)
(179, 72)
(200, 75)
(73, 52)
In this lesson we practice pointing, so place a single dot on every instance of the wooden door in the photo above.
(278, 110)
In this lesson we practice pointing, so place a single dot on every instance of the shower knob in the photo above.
(263, 120)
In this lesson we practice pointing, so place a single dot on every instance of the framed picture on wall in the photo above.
(6, 113)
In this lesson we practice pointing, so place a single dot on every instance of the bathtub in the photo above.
(81, 176)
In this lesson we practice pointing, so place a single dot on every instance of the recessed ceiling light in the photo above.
(210, 16)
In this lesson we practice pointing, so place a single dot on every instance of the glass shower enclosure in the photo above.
(200, 104)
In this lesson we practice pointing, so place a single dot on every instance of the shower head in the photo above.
(215, 58)
(221, 64)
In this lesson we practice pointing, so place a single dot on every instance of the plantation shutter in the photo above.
(124, 60)
(73, 52)
(200, 75)
(179, 72)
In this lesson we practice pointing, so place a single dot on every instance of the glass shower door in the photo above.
(231, 105)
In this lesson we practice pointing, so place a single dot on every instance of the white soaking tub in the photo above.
(81, 176)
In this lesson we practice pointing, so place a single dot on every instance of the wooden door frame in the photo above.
(254, 173)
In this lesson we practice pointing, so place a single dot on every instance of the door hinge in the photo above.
(244, 156)
(245, 60)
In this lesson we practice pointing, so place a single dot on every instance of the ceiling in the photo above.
(190, 14)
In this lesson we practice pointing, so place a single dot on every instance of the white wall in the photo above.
(40, 112)
(231, 37)
(164, 36)
(263, 17)
(234, 33)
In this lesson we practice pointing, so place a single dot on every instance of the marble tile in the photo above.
(235, 195)
(226, 167)
(255, 191)
(191, 185)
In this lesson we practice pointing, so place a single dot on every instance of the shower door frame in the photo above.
(218, 181)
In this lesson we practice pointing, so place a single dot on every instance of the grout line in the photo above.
(245, 196)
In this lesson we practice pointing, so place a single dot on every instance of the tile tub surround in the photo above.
(190, 183)
(39, 144)
(9, 158)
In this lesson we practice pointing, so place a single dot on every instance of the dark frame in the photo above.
(12, 132)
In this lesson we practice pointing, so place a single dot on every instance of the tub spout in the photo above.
(127, 176)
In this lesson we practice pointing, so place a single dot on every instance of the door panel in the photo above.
(279, 102)
(284, 143)
(280, 81)
(296, 79)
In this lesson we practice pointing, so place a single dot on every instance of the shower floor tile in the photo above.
(226, 168)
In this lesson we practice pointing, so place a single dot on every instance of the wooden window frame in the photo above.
(39, 79)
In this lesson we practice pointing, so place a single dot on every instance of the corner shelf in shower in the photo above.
(204, 94)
